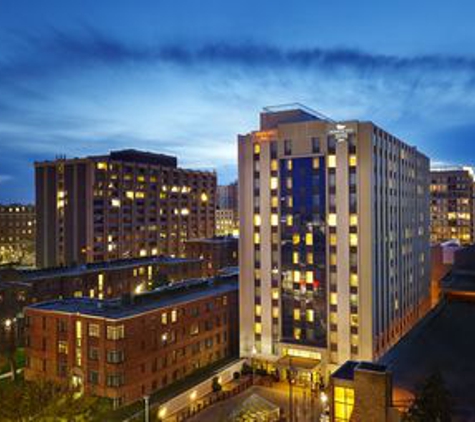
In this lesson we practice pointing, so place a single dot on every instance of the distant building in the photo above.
(127, 204)
(442, 258)
(127, 348)
(19, 288)
(227, 217)
(334, 239)
(17, 234)
(217, 253)
(452, 205)
(362, 392)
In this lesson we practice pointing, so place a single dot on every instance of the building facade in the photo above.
(227, 214)
(126, 349)
(105, 280)
(17, 234)
(452, 205)
(217, 253)
(334, 238)
(127, 204)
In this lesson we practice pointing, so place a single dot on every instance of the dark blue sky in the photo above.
(184, 77)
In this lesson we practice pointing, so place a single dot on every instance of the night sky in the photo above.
(185, 77)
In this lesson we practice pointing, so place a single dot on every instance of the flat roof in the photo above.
(214, 240)
(347, 370)
(442, 341)
(129, 306)
(33, 275)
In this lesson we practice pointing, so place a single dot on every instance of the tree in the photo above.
(216, 385)
(46, 401)
(432, 402)
(8, 345)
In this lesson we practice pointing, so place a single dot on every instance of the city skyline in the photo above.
(86, 79)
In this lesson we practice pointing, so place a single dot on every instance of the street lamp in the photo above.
(147, 408)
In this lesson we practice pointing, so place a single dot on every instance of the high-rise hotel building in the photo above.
(334, 242)
(452, 205)
(123, 205)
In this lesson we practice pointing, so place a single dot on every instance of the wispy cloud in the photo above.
(5, 178)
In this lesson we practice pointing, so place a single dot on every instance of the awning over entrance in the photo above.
(298, 363)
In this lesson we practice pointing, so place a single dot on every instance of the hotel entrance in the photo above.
(303, 372)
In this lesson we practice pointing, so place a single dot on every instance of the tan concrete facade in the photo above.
(373, 224)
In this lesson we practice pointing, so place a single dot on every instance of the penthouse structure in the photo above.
(17, 234)
(334, 239)
(126, 204)
(104, 280)
(126, 348)
(452, 205)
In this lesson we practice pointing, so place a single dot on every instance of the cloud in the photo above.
(5, 178)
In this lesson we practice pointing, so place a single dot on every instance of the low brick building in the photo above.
(126, 348)
(217, 252)
(19, 288)
(362, 392)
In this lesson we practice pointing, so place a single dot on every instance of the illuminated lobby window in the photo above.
(343, 400)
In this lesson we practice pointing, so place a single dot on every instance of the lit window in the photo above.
(295, 257)
(332, 220)
(204, 197)
(296, 276)
(257, 148)
(290, 220)
(309, 239)
(274, 165)
(93, 330)
(258, 328)
(310, 315)
(353, 239)
(297, 333)
(275, 294)
(257, 238)
(274, 201)
(258, 310)
(309, 277)
(275, 312)
(353, 160)
(115, 202)
(185, 211)
(333, 239)
(353, 220)
(344, 399)
(297, 314)
(274, 183)
(331, 161)
(354, 280)
(101, 166)
(274, 220)
(316, 163)
(333, 299)
(115, 332)
(257, 220)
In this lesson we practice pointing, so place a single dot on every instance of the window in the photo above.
(94, 330)
(63, 347)
(315, 145)
(115, 380)
(115, 332)
(344, 399)
(93, 377)
(93, 353)
(287, 147)
(331, 161)
(194, 329)
(115, 356)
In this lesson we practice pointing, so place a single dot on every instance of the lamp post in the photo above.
(291, 398)
(8, 343)
(147, 408)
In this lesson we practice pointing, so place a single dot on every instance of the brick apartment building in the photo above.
(19, 288)
(127, 204)
(17, 234)
(126, 348)
(217, 252)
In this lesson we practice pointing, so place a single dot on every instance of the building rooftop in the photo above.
(347, 370)
(130, 306)
(26, 275)
(218, 240)
(442, 341)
